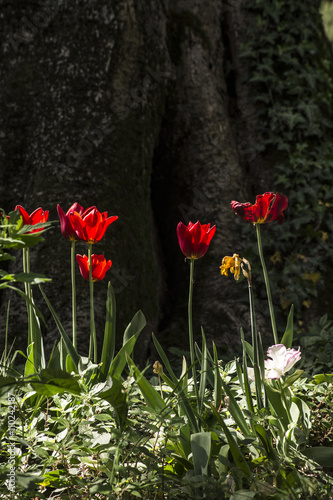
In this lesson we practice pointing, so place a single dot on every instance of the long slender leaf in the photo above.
(178, 387)
(109, 341)
(135, 327)
(288, 335)
(210, 364)
(234, 448)
(165, 360)
(217, 380)
(203, 376)
(235, 410)
(119, 361)
(151, 396)
(69, 346)
(29, 368)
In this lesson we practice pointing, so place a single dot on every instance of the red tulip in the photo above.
(37, 217)
(66, 226)
(90, 226)
(99, 266)
(194, 239)
(268, 207)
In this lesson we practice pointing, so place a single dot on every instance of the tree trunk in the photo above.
(140, 108)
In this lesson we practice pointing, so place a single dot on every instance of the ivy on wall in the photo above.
(290, 69)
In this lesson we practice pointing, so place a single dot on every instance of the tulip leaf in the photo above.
(109, 341)
(235, 410)
(287, 338)
(234, 448)
(151, 396)
(217, 380)
(119, 361)
(178, 386)
(275, 402)
(29, 368)
(248, 349)
(203, 376)
(201, 444)
(68, 343)
(165, 360)
(135, 327)
(292, 378)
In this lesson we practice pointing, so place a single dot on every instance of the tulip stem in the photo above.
(268, 289)
(190, 327)
(73, 295)
(283, 396)
(27, 287)
(93, 338)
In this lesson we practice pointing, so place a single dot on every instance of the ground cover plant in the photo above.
(75, 427)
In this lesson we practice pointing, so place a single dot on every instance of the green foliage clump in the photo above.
(290, 71)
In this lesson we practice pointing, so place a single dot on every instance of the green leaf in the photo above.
(135, 327)
(165, 360)
(266, 439)
(151, 396)
(109, 341)
(320, 454)
(243, 495)
(217, 380)
(249, 350)
(234, 448)
(320, 378)
(292, 378)
(29, 368)
(203, 376)
(235, 410)
(114, 393)
(6, 384)
(201, 443)
(32, 278)
(68, 343)
(275, 401)
(55, 382)
(287, 338)
(119, 361)
(177, 386)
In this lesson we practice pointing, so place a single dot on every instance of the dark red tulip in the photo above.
(194, 239)
(66, 226)
(268, 207)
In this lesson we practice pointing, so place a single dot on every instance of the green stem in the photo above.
(190, 328)
(93, 338)
(27, 289)
(283, 396)
(268, 289)
(73, 295)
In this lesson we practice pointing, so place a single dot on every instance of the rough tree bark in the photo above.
(132, 106)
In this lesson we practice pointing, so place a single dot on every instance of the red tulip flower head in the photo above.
(90, 226)
(66, 225)
(194, 239)
(37, 217)
(268, 207)
(99, 266)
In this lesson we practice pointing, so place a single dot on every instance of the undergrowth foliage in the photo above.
(290, 73)
(97, 427)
